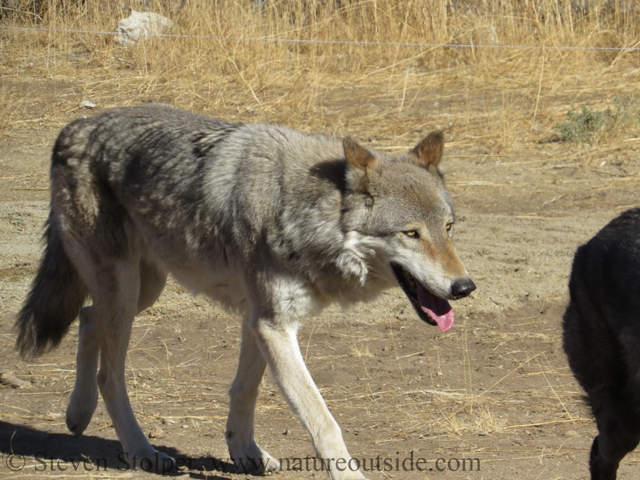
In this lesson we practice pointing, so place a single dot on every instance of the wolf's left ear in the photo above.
(359, 158)
(428, 153)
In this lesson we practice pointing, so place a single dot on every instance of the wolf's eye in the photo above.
(449, 226)
(411, 234)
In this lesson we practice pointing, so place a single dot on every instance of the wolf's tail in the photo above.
(56, 296)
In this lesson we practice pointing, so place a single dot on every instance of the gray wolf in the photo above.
(602, 338)
(270, 222)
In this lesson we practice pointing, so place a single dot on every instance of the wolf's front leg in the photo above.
(245, 453)
(279, 345)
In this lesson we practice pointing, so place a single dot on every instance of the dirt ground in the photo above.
(496, 387)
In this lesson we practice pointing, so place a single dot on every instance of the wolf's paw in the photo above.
(352, 261)
(80, 411)
(251, 459)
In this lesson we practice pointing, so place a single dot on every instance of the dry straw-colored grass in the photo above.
(502, 95)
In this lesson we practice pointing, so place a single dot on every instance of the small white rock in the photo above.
(87, 104)
(139, 25)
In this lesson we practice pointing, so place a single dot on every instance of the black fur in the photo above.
(602, 338)
(57, 294)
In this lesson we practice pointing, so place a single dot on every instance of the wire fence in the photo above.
(337, 42)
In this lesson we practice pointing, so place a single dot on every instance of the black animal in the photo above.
(602, 338)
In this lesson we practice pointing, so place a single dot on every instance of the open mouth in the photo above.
(429, 307)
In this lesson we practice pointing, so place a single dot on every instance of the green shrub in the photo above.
(588, 125)
(581, 126)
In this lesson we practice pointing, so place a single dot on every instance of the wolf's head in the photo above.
(403, 204)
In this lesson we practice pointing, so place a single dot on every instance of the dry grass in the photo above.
(502, 96)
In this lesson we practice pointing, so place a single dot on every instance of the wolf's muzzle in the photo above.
(462, 288)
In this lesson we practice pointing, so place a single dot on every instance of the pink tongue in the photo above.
(436, 307)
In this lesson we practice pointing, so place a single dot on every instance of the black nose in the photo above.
(462, 288)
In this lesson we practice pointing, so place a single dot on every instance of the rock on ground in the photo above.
(139, 25)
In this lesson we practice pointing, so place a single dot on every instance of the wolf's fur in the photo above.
(268, 221)
(602, 338)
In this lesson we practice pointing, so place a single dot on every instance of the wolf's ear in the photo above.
(428, 153)
(359, 158)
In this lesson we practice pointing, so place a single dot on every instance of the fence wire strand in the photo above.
(335, 42)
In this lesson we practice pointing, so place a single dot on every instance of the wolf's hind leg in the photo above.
(116, 304)
(243, 449)
(84, 398)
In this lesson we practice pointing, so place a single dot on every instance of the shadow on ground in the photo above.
(25, 448)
